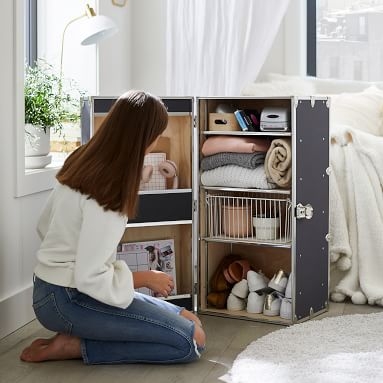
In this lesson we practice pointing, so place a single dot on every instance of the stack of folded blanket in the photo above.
(233, 161)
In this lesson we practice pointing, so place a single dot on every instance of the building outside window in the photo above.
(348, 39)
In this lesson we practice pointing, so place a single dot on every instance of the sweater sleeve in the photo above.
(97, 272)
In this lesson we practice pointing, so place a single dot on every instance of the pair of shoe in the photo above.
(242, 298)
(257, 302)
(274, 303)
(278, 304)
(230, 270)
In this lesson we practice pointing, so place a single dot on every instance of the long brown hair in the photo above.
(108, 167)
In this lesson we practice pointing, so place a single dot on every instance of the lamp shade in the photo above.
(96, 28)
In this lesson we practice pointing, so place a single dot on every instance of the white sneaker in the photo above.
(286, 311)
(256, 281)
(255, 302)
(288, 292)
(272, 304)
(240, 289)
(234, 303)
(279, 281)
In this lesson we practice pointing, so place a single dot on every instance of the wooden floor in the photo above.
(226, 339)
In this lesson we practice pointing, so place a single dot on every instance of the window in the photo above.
(345, 39)
(45, 40)
(38, 31)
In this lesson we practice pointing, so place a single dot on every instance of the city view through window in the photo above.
(350, 39)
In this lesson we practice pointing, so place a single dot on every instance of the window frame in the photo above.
(33, 181)
(31, 31)
(311, 38)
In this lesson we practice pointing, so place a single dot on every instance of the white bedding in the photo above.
(356, 181)
(356, 222)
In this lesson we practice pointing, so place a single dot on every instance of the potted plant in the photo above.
(50, 101)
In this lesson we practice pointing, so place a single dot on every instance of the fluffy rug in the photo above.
(345, 349)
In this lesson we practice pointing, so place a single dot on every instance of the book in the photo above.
(151, 255)
(241, 118)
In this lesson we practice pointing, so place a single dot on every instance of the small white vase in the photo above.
(37, 147)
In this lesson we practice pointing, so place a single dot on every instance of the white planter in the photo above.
(37, 147)
(37, 142)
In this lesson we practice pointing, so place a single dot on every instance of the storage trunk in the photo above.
(285, 228)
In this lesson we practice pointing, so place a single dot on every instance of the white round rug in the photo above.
(343, 349)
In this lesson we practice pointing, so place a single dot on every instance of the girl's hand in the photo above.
(158, 281)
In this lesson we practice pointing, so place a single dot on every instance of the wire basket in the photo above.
(265, 219)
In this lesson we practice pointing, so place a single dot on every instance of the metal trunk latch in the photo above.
(304, 211)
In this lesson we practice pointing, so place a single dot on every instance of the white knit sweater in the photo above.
(78, 249)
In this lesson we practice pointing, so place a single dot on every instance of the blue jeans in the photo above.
(150, 330)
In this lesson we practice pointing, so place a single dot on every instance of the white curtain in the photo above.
(215, 47)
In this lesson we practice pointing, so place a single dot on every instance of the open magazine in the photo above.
(151, 255)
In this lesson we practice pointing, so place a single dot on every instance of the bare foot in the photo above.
(60, 347)
(189, 315)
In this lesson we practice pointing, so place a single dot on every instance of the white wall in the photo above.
(18, 239)
(134, 58)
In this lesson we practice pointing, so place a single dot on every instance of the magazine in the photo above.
(151, 255)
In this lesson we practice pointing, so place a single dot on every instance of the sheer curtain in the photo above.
(215, 47)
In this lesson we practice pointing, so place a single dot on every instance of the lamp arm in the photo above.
(62, 43)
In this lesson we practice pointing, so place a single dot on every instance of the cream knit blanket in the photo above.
(237, 176)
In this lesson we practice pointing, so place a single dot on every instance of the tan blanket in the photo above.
(278, 162)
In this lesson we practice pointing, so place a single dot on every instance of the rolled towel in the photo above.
(236, 144)
(236, 177)
(278, 162)
(247, 160)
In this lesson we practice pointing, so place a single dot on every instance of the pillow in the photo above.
(361, 111)
(295, 87)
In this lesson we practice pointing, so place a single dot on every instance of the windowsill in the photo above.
(36, 181)
(40, 180)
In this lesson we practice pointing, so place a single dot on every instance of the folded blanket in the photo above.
(237, 176)
(236, 144)
(247, 160)
(278, 162)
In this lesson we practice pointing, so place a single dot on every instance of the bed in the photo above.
(356, 179)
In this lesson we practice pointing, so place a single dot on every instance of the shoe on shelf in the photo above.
(237, 271)
(286, 311)
(218, 299)
(288, 292)
(256, 281)
(279, 281)
(218, 281)
(240, 289)
(272, 304)
(235, 304)
(255, 302)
